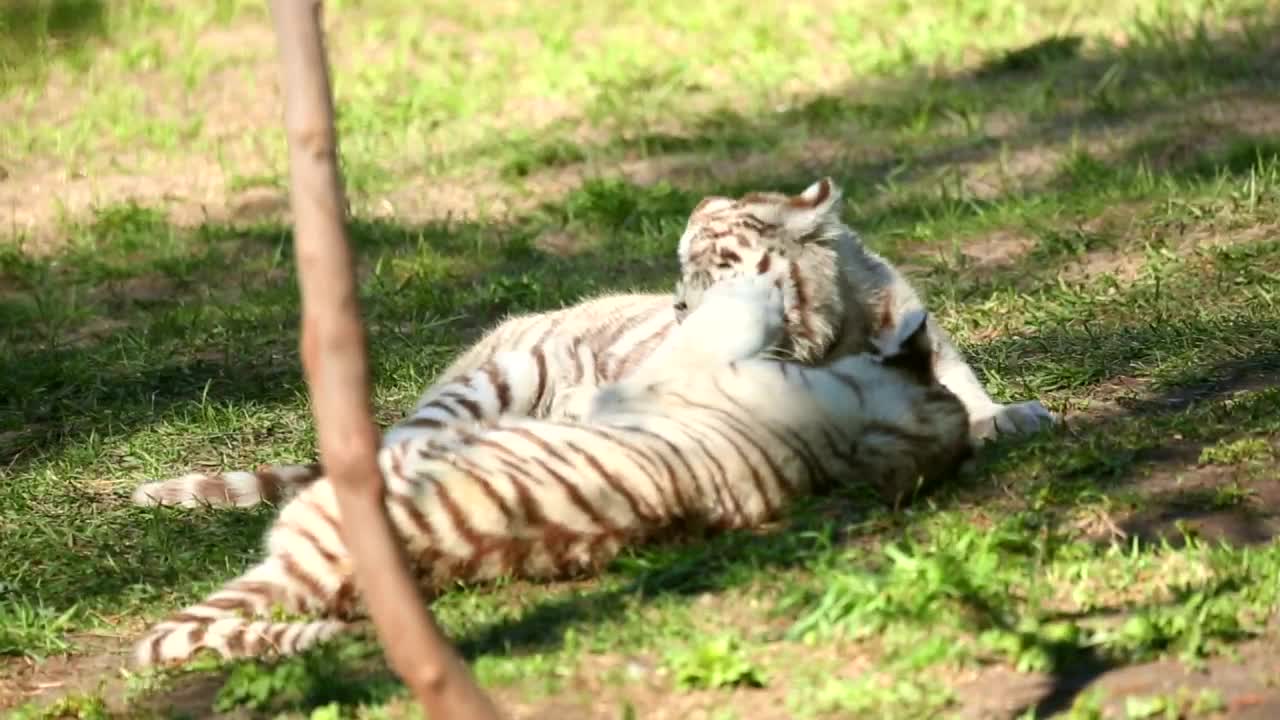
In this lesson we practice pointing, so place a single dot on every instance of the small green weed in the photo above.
(1175, 705)
(333, 673)
(33, 630)
(889, 697)
(77, 706)
(963, 580)
(1244, 450)
(718, 662)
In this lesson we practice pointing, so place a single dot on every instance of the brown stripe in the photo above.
(579, 367)
(471, 406)
(235, 641)
(846, 453)
(705, 202)
(540, 361)
(639, 455)
(801, 308)
(210, 487)
(422, 422)
(787, 438)
(551, 324)
(633, 321)
(757, 480)
(618, 486)
(461, 465)
(576, 497)
(637, 353)
(570, 488)
(309, 538)
(157, 640)
(712, 428)
(751, 222)
(683, 503)
(747, 432)
(185, 617)
(252, 587)
(811, 460)
(270, 485)
(608, 342)
(293, 571)
(459, 518)
(331, 522)
(500, 386)
(555, 537)
(410, 509)
(720, 487)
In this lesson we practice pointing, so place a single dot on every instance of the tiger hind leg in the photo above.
(307, 571)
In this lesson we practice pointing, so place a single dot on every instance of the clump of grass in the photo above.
(718, 662)
(1243, 450)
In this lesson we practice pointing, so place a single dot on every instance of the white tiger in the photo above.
(838, 295)
(716, 440)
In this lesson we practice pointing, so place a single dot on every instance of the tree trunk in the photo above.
(337, 374)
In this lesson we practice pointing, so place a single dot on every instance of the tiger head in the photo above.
(800, 240)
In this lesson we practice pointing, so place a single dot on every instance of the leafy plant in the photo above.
(715, 663)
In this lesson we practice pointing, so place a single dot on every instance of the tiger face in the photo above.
(792, 239)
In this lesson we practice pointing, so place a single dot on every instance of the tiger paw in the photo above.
(1014, 419)
(738, 318)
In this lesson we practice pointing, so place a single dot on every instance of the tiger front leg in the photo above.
(988, 419)
(735, 319)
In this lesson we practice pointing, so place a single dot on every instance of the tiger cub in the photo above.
(715, 436)
(838, 294)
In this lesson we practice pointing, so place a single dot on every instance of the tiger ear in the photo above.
(808, 210)
(912, 352)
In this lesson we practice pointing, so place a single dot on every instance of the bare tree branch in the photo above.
(337, 373)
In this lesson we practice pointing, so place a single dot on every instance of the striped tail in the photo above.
(273, 484)
(233, 622)
(232, 637)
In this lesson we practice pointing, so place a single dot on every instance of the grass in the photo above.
(1089, 197)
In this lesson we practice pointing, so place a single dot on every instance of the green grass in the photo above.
(1089, 197)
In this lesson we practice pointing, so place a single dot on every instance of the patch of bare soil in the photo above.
(1248, 684)
(1175, 492)
(999, 249)
(1181, 500)
(93, 669)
